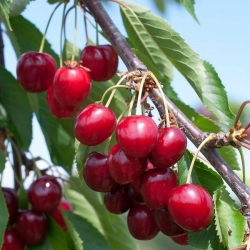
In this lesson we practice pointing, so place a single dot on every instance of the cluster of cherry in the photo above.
(30, 226)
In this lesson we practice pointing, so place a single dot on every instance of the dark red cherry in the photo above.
(94, 124)
(66, 205)
(11, 240)
(11, 200)
(137, 135)
(96, 173)
(141, 222)
(35, 71)
(170, 147)
(123, 168)
(57, 215)
(191, 206)
(156, 186)
(71, 85)
(45, 194)
(31, 226)
(166, 223)
(119, 200)
(57, 109)
(101, 60)
(180, 239)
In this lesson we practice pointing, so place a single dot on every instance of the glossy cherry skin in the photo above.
(141, 222)
(96, 173)
(11, 200)
(123, 168)
(35, 71)
(166, 223)
(180, 239)
(71, 85)
(94, 124)
(156, 186)
(31, 226)
(137, 135)
(191, 206)
(119, 200)
(57, 109)
(11, 240)
(101, 60)
(45, 194)
(170, 147)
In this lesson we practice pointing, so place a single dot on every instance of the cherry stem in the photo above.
(46, 29)
(138, 110)
(85, 26)
(240, 112)
(75, 31)
(131, 105)
(209, 138)
(61, 34)
(243, 165)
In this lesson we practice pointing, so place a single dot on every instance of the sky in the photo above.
(222, 38)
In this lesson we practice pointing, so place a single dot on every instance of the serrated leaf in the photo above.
(19, 120)
(18, 6)
(215, 96)
(4, 217)
(228, 218)
(189, 5)
(5, 11)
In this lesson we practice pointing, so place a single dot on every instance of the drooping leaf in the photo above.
(230, 223)
(18, 6)
(4, 217)
(189, 5)
(19, 114)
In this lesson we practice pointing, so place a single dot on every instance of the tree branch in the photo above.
(2, 62)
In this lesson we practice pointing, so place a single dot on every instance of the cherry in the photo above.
(137, 135)
(31, 226)
(141, 222)
(123, 168)
(94, 124)
(120, 200)
(156, 186)
(191, 206)
(180, 239)
(170, 147)
(11, 201)
(57, 215)
(66, 205)
(12, 241)
(45, 194)
(166, 223)
(71, 85)
(58, 109)
(101, 60)
(35, 71)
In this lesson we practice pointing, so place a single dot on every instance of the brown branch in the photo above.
(2, 62)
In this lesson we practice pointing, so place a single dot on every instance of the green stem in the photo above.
(209, 138)
(243, 164)
(140, 93)
(61, 35)
(132, 103)
(46, 29)
(75, 32)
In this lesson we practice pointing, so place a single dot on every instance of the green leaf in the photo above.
(19, 120)
(5, 11)
(247, 177)
(4, 217)
(189, 5)
(2, 161)
(229, 154)
(215, 96)
(18, 6)
(160, 5)
(68, 49)
(228, 218)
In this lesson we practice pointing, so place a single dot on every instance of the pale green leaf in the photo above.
(189, 5)
(160, 4)
(4, 217)
(18, 6)
(228, 218)
(5, 11)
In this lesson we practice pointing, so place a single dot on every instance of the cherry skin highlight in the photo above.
(94, 124)
(191, 206)
(12, 241)
(101, 60)
(35, 71)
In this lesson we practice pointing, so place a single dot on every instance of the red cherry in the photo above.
(156, 186)
(170, 147)
(101, 60)
(120, 200)
(141, 222)
(94, 124)
(166, 223)
(11, 200)
(191, 206)
(35, 71)
(45, 194)
(57, 215)
(96, 173)
(66, 205)
(181, 239)
(12, 241)
(71, 85)
(123, 168)
(57, 109)
(137, 135)
(31, 226)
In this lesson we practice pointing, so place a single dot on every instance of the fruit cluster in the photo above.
(30, 226)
